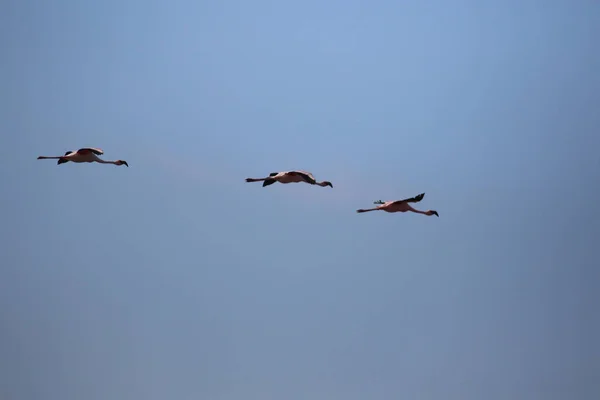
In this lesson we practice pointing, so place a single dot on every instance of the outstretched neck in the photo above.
(428, 212)
(49, 158)
(324, 183)
(106, 161)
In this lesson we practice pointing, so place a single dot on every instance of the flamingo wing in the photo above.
(307, 176)
(415, 199)
(94, 150)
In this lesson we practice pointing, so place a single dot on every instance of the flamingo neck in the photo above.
(106, 161)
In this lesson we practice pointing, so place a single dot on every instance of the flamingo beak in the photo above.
(435, 213)
(125, 162)
(330, 184)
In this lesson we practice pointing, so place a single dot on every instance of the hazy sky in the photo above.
(175, 279)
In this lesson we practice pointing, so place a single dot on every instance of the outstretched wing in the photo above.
(307, 176)
(94, 150)
(415, 199)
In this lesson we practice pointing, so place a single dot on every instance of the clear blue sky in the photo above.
(175, 279)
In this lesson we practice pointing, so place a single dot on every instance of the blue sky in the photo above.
(176, 279)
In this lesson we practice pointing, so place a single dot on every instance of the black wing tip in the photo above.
(419, 197)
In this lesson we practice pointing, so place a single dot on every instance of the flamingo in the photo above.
(289, 177)
(86, 154)
(400, 206)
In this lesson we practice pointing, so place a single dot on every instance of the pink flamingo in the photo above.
(86, 154)
(400, 206)
(289, 177)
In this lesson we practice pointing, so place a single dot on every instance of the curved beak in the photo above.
(125, 162)
(436, 214)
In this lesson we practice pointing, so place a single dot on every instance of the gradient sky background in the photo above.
(175, 279)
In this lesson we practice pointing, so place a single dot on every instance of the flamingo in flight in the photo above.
(400, 206)
(289, 177)
(83, 155)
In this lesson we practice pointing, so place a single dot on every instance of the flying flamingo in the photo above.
(289, 177)
(400, 206)
(86, 154)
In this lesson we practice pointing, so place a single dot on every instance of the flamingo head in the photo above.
(122, 162)
(432, 212)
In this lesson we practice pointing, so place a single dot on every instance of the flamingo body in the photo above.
(400, 206)
(290, 177)
(83, 155)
